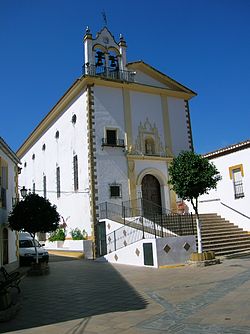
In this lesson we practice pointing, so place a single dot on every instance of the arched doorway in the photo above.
(151, 193)
(5, 246)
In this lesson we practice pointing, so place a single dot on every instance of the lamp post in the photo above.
(23, 192)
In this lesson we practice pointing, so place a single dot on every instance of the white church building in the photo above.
(110, 138)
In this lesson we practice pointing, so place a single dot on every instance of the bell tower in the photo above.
(103, 53)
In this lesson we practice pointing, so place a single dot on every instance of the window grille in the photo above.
(44, 186)
(58, 187)
(75, 169)
(237, 183)
(115, 190)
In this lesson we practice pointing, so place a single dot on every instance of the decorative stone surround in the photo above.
(92, 159)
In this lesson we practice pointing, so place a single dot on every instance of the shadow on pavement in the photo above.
(73, 290)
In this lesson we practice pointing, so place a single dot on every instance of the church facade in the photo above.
(110, 138)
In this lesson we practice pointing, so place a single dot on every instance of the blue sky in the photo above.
(205, 45)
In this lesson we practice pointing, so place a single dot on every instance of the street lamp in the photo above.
(23, 192)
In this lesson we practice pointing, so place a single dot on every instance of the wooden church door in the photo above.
(151, 191)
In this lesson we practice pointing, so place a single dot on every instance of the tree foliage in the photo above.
(34, 214)
(191, 175)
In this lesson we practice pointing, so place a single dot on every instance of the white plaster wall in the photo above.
(111, 161)
(73, 206)
(145, 79)
(143, 106)
(178, 125)
(225, 192)
(132, 254)
(4, 212)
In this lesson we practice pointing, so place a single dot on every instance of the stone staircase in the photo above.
(221, 236)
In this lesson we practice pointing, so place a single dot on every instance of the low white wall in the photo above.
(70, 245)
(131, 254)
(178, 251)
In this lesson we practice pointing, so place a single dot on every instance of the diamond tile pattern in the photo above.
(109, 238)
(167, 248)
(124, 233)
(137, 252)
(186, 246)
(125, 243)
(109, 226)
(116, 257)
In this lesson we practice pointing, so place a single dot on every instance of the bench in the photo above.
(9, 280)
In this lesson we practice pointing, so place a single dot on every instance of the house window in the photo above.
(115, 190)
(75, 170)
(44, 186)
(44, 147)
(57, 135)
(58, 188)
(237, 183)
(33, 156)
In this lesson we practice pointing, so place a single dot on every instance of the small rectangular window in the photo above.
(237, 183)
(111, 137)
(58, 186)
(115, 190)
(75, 170)
(44, 187)
(34, 188)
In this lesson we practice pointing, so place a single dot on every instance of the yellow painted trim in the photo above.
(148, 157)
(142, 88)
(81, 85)
(170, 266)
(157, 75)
(162, 178)
(166, 125)
(232, 168)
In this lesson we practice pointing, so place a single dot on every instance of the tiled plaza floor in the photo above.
(88, 297)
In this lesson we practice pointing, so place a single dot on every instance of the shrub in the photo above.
(58, 235)
(77, 234)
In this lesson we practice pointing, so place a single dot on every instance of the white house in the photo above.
(232, 196)
(110, 138)
(8, 197)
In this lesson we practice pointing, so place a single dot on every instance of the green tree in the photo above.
(191, 175)
(34, 214)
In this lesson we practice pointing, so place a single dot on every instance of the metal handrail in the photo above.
(229, 207)
(108, 72)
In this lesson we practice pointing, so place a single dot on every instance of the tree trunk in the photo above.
(198, 227)
(198, 224)
(33, 237)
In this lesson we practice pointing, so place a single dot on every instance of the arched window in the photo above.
(149, 146)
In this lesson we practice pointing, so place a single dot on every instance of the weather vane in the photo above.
(104, 16)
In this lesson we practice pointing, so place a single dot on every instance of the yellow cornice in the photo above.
(142, 88)
(148, 157)
(163, 78)
(75, 89)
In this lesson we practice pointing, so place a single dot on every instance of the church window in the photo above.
(111, 137)
(44, 186)
(115, 190)
(73, 119)
(58, 187)
(75, 170)
(57, 135)
(149, 146)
